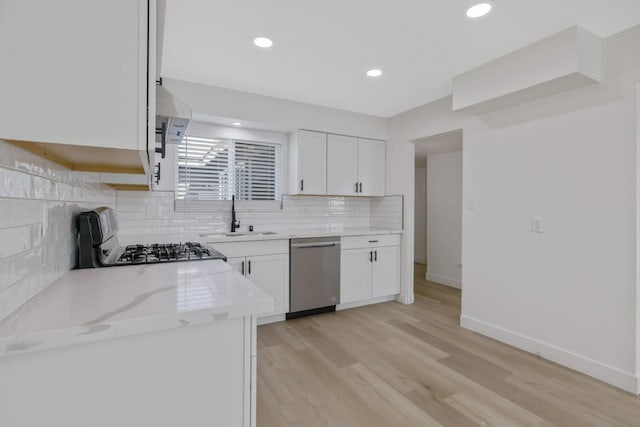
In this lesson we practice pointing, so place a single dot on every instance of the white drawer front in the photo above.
(372, 241)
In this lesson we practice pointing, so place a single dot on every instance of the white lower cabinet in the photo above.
(355, 275)
(269, 272)
(368, 269)
(198, 375)
(266, 264)
(385, 271)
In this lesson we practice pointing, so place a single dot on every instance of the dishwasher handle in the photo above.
(314, 245)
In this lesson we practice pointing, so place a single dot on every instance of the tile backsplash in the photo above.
(387, 212)
(38, 201)
(145, 213)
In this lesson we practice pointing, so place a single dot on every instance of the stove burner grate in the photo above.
(165, 252)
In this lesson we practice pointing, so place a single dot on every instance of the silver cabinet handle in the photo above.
(243, 268)
(360, 187)
(249, 271)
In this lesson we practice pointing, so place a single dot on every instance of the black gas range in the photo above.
(98, 245)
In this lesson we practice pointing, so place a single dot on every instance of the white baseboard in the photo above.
(444, 280)
(405, 298)
(271, 319)
(364, 302)
(614, 376)
(418, 260)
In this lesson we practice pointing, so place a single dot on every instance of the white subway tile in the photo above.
(14, 240)
(14, 184)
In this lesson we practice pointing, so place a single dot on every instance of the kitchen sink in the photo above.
(237, 234)
(250, 233)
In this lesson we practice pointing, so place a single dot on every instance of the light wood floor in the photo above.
(412, 365)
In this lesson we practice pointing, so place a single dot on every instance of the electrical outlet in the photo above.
(537, 225)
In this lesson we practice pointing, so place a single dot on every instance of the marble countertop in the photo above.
(246, 236)
(101, 303)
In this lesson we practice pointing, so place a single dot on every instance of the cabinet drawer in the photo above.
(255, 247)
(372, 241)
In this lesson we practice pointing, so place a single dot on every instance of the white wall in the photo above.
(420, 229)
(637, 233)
(568, 293)
(273, 113)
(444, 218)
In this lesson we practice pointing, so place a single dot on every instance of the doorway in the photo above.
(438, 208)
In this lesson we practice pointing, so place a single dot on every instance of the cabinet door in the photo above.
(342, 165)
(271, 273)
(237, 264)
(371, 166)
(311, 163)
(355, 275)
(74, 72)
(386, 271)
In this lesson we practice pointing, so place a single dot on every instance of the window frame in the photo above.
(194, 205)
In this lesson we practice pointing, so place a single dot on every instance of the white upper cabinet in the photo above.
(342, 165)
(75, 73)
(355, 166)
(308, 159)
(371, 167)
(336, 165)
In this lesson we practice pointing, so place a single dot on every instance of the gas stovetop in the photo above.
(98, 245)
(166, 252)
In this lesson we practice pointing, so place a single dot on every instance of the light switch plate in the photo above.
(537, 225)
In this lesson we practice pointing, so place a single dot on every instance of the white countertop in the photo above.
(100, 303)
(245, 236)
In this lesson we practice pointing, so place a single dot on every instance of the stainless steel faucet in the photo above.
(235, 224)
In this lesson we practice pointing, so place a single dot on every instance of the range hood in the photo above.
(172, 115)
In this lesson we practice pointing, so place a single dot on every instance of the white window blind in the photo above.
(212, 169)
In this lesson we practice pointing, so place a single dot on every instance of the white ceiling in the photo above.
(322, 49)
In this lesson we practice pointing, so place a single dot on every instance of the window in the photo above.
(211, 169)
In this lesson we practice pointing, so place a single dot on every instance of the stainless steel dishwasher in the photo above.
(315, 276)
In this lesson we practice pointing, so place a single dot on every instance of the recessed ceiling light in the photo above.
(479, 10)
(236, 124)
(262, 42)
(374, 73)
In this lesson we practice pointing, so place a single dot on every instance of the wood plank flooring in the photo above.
(412, 365)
